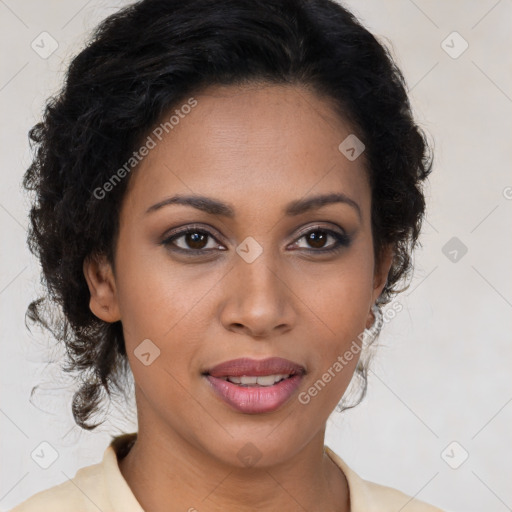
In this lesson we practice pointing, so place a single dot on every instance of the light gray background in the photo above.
(442, 373)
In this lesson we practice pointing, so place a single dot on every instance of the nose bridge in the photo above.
(258, 300)
(256, 272)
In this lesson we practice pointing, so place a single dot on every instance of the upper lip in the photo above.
(256, 367)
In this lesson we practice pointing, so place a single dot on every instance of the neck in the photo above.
(168, 473)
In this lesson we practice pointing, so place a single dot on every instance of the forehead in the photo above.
(254, 143)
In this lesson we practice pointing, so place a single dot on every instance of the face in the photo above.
(258, 270)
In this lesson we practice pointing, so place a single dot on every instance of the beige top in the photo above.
(103, 487)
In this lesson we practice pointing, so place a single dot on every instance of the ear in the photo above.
(381, 271)
(101, 282)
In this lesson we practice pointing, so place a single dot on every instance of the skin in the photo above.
(256, 148)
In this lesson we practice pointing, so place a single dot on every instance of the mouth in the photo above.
(252, 381)
(255, 386)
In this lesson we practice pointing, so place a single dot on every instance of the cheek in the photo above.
(338, 295)
(340, 319)
(337, 312)
(157, 296)
(169, 309)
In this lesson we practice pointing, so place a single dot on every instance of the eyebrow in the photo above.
(297, 207)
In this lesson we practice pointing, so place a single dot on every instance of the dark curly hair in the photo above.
(143, 61)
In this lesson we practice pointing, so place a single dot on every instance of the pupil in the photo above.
(196, 240)
(317, 240)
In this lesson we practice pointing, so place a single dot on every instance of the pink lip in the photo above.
(255, 399)
(255, 367)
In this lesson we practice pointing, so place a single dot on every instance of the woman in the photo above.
(227, 194)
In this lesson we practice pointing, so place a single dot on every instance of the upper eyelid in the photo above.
(305, 231)
(190, 228)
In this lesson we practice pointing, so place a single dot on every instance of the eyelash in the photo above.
(342, 240)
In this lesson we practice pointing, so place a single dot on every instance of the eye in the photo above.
(318, 237)
(192, 240)
(195, 240)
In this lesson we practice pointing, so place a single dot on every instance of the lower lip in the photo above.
(255, 399)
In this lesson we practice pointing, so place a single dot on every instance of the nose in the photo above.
(258, 301)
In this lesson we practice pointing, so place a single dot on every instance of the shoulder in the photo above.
(83, 493)
(368, 496)
(100, 486)
(393, 499)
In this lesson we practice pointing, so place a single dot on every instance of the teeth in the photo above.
(265, 380)
(268, 380)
